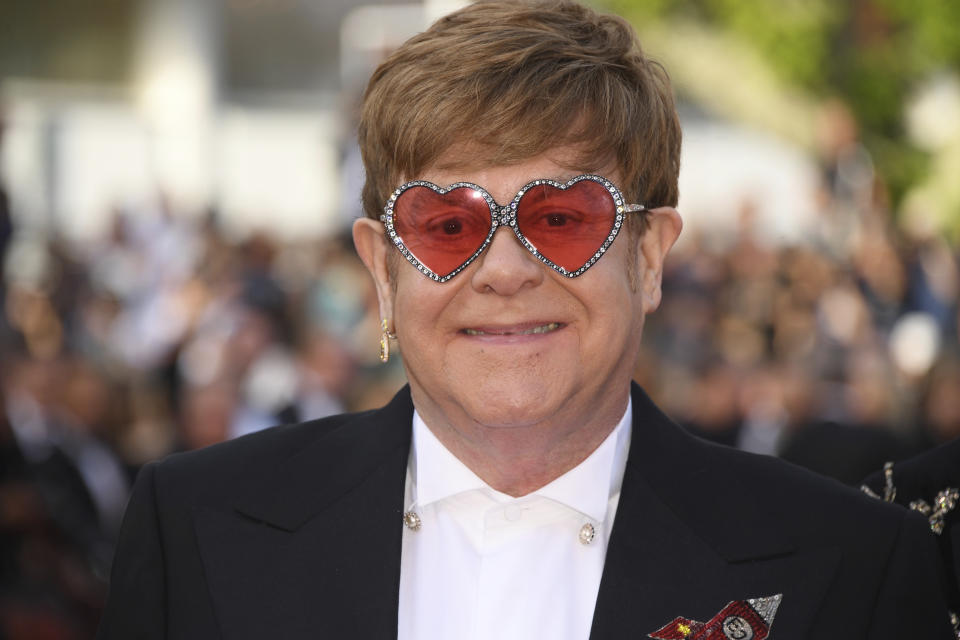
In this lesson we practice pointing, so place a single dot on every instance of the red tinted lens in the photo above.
(567, 225)
(442, 231)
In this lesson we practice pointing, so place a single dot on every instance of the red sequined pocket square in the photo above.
(739, 620)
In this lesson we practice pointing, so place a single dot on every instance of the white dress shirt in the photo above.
(486, 565)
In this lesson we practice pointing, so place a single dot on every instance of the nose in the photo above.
(506, 266)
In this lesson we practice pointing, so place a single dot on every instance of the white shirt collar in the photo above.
(587, 488)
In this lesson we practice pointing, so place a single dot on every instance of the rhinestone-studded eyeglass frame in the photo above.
(506, 216)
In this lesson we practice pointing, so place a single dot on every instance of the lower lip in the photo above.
(512, 338)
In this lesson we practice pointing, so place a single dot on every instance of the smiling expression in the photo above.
(509, 342)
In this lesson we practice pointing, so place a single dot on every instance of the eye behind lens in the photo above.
(568, 226)
(443, 230)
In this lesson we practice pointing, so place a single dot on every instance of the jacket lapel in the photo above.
(675, 550)
(315, 550)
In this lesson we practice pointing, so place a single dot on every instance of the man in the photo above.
(521, 165)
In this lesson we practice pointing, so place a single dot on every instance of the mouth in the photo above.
(530, 330)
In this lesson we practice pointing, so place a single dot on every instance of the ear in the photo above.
(665, 225)
(372, 248)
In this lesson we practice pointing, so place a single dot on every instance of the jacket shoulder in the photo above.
(214, 473)
(707, 482)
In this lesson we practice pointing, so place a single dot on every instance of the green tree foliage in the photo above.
(869, 53)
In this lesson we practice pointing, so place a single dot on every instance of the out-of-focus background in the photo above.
(178, 178)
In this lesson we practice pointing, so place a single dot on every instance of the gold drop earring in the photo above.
(385, 338)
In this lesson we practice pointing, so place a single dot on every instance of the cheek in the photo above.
(614, 309)
(610, 292)
(419, 308)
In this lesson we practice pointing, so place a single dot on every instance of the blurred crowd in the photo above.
(839, 352)
(169, 334)
(836, 363)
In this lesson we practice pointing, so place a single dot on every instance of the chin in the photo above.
(513, 403)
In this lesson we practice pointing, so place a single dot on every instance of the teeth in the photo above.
(542, 329)
(546, 328)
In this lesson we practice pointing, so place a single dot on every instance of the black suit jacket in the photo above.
(295, 532)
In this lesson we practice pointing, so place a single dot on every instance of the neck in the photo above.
(519, 459)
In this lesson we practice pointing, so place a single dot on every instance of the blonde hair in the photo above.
(515, 79)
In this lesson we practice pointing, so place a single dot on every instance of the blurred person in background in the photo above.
(6, 222)
(520, 486)
(929, 483)
(62, 493)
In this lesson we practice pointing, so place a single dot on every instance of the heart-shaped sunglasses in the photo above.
(567, 226)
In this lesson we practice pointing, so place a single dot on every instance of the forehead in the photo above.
(472, 162)
(472, 154)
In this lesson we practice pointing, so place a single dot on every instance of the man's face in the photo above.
(509, 342)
